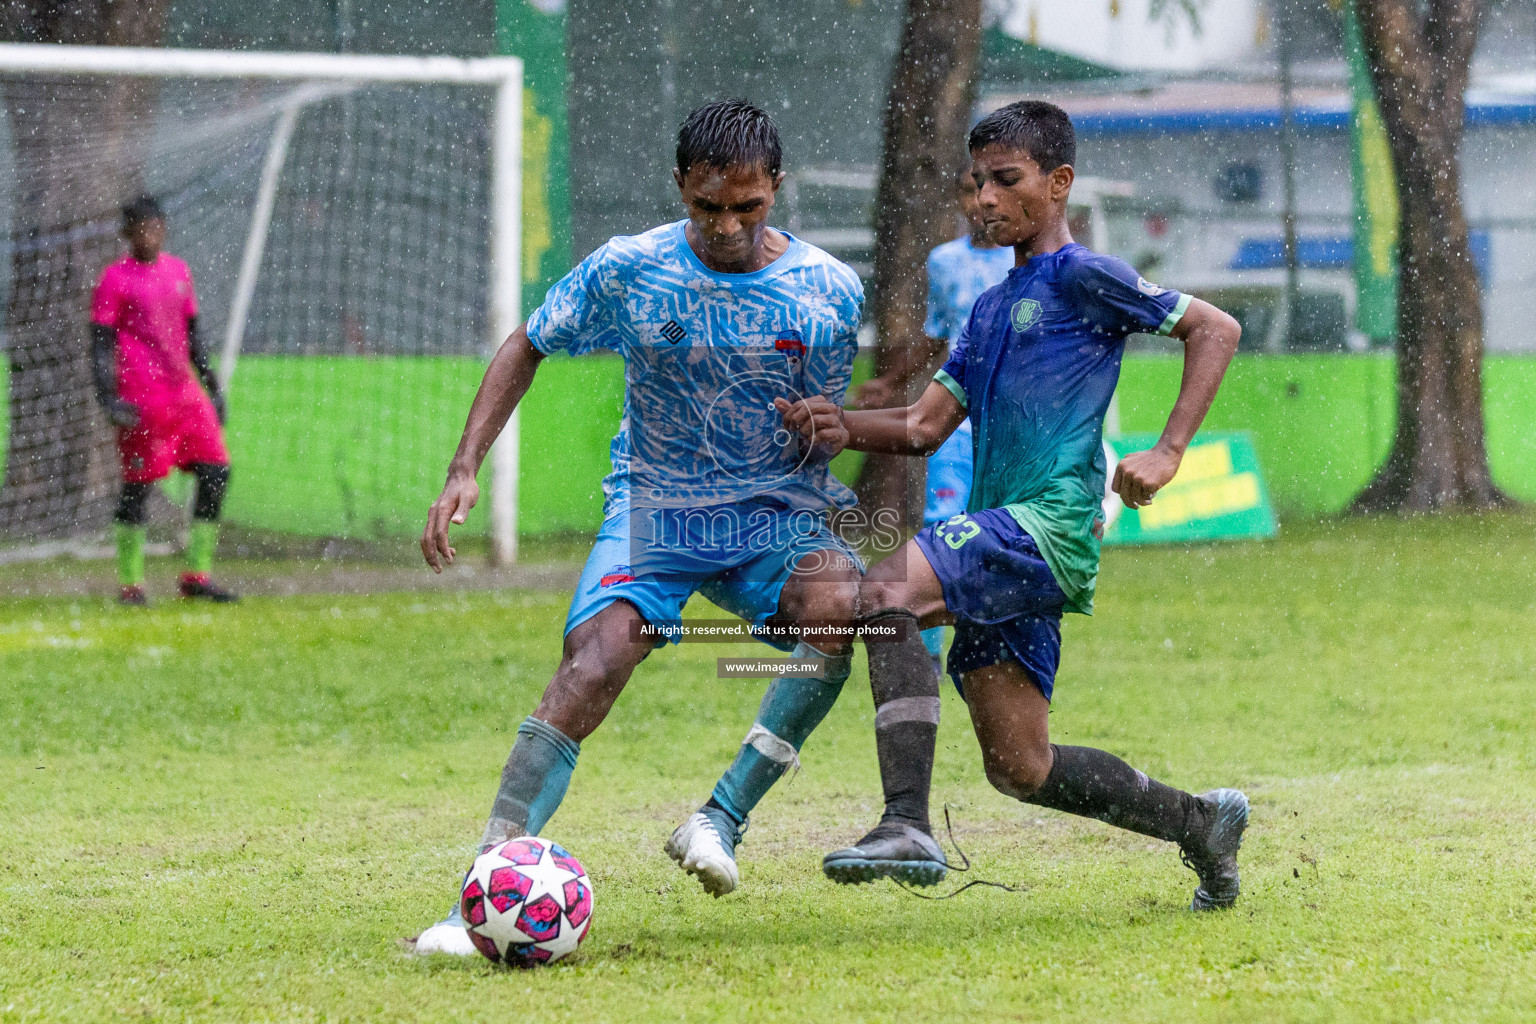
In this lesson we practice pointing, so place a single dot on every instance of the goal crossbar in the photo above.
(504, 74)
(55, 58)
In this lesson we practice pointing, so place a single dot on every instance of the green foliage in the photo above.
(1170, 12)
(234, 813)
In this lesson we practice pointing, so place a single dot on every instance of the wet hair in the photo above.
(145, 207)
(1041, 129)
(729, 133)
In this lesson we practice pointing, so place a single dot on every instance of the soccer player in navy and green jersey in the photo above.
(959, 271)
(715, 316)
(1034, 370)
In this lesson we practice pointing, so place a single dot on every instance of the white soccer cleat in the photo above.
(701, 848)
(447, 936)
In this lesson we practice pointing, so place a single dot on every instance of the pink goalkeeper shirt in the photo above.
(149, 304)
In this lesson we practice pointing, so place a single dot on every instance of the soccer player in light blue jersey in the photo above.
(1034, 371)
(958, 272)
(716, 316)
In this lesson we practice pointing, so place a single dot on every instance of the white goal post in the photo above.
(318, 77)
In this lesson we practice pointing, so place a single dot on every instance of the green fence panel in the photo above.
(568, 421)
(1509, 411)
(345, 446)
(357, 445)
(1321, 424)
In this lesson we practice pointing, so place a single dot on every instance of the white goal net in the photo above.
(351, 224)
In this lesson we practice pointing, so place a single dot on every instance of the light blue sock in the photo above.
(933, 640)
(791, 709)
(533, 782)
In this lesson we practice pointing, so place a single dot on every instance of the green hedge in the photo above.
(357, 446)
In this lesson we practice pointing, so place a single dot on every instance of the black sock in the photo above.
(906, 714)
(130, 504)
(1099, 785)
(212, 484)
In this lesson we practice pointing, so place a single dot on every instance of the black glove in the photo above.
(123, 414)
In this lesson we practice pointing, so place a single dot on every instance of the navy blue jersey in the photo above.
(1035, 368)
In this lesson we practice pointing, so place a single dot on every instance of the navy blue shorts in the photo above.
(1006, 601)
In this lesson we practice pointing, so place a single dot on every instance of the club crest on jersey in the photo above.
(618, 574)
(1148, 288)
(790, 342)
(1025, 313)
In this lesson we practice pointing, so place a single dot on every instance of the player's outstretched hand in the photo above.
(452, 506)
(123, 414)
(1141, 475)
(817, 420)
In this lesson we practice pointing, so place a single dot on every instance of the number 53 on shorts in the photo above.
(956, 530)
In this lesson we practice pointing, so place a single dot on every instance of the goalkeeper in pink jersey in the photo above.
(144, 348)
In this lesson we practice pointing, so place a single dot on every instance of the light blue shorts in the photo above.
(739, 556)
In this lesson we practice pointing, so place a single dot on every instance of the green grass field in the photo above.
(235, 813)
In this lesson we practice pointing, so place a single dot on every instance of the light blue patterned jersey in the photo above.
(958, 273)
(705, 354)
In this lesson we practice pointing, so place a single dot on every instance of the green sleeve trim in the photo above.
(1173, 318)
(953, 387)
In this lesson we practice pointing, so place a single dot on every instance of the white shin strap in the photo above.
(772, 747)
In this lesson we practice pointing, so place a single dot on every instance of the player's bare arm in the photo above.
(916, 429)
(506, 382)
(1210, 338)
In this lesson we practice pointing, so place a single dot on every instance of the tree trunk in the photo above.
(927, 115)
(1419, 64)
(76, 160)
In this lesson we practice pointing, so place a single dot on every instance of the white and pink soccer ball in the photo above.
(526, 902)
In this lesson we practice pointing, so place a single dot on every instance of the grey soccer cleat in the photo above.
(891, 850)
(705, 846)
(1216, 863)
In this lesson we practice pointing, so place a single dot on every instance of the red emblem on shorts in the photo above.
(618, 574)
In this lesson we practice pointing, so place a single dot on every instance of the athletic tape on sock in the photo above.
(772, 747)
(907, 709)
(792, 707)
(499, 830)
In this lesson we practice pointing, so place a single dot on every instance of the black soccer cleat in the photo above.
(1216, 861)
(891, 850)
(198, 586)
(133, 597)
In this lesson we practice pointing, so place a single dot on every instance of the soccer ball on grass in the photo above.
(526, 902)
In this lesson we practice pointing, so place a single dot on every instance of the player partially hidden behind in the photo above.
(958, 272)
(715, 316)
(1034, 369)
(145, 347)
